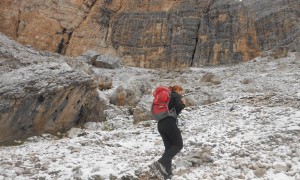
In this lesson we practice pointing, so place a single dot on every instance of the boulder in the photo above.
(46, 98)
(43, 94)
(280, 52)
(129, 94)
(90, 56)
(142, 112)
(108, 62)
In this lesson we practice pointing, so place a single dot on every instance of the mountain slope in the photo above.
(252, 133)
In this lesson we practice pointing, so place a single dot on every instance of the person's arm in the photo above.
(179, 103)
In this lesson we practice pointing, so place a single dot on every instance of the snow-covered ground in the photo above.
(253, 132)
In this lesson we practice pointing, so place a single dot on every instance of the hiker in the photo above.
(171, 135)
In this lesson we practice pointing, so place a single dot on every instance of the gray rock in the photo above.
(90, 56)
(260, 172)
(44, 96)
(182, 163)
(280, 167)
(113, 112)
(261, 165)
(108, 62)
(280, 52)
(297, 152)
(129, 94)
(206, 157)
(142, 111)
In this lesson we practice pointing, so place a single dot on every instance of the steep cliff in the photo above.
(152, 33)
(277, 23)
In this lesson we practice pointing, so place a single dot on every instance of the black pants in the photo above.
(172, 139)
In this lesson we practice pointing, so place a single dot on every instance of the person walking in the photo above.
(170, 133)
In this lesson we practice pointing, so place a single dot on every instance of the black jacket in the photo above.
(176, 102)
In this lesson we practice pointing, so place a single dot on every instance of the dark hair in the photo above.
(176, 88)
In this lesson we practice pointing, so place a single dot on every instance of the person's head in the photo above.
(177, 89)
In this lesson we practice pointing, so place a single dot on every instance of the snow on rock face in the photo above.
(253, 132)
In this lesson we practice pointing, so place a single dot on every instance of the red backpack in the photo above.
(160, 109)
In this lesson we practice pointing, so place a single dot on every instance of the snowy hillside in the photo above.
(250, 130)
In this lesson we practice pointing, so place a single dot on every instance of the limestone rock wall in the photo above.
(41, 93)
(152, 33)
(278, 23)
(46, 25)
(226, 35)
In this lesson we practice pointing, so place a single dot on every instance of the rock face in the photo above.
(191, 33)
(276, 23)
(41, 93)
(153, 33)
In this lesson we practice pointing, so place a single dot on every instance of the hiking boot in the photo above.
(168, 177)
(169, 171)
(162, 170)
